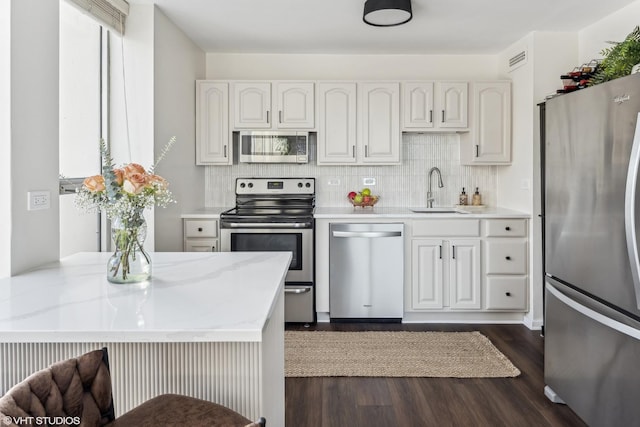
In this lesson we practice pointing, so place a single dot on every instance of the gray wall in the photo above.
(178, 63)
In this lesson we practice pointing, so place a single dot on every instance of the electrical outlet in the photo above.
(368, 181)
(38, 200)
(334, 181)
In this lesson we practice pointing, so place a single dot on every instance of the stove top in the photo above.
(272, 201)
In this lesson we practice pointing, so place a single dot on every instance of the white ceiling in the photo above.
(335, 26)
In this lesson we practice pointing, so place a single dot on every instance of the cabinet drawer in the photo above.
(446, 227)
(506, 293)
(505, 228)
(200, 228)
(507, 256)
(201, 245)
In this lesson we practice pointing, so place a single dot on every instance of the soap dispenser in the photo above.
(476, 200)
(463, 198)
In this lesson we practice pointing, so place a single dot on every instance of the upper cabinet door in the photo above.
(252, 105)
(380, 122)
(452, 101)
(417, 103)
(212, 123)
(337, 122)
(492, 128)
(295, 109)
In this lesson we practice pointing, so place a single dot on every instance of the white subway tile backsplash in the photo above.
(401, 185)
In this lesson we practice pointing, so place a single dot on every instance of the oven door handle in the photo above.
(268, 225)
(297, 290)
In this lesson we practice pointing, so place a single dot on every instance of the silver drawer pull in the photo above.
(508, 258)
(199, 228)
(296, 290)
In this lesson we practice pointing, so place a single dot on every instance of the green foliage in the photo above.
(618, 59)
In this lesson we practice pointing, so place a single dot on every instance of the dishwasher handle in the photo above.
(367, 234)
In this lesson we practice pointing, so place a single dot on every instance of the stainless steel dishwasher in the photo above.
(366, 271)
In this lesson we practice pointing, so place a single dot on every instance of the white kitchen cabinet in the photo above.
(290, 106)
(435, 106)
(505, 264)
(337, 122)
(427, 289)
(489, 141)
(295, 105)
(379, 119)
(445, 268)
(464, 275)
(459, 289)
(200, 235)
(252, 101)
(212, 123)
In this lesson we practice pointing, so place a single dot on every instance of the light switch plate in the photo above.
(368, 181)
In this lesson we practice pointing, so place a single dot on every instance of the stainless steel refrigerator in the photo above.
(592, 269)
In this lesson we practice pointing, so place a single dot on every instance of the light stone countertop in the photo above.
(400, 212)
(205, 213)
(192, 297)
(382, 212)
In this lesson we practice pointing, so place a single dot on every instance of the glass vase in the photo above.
(129, 263)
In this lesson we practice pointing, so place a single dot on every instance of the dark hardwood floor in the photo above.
(382, 402)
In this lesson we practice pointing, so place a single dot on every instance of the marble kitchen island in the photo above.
(208, 325)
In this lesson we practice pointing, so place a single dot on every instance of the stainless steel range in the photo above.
(276, 214)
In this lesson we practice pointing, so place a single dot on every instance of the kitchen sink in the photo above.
(441, 209)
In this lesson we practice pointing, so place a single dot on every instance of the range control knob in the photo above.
(299, 185)
(242, 185)
(250, 185)
(308, 185)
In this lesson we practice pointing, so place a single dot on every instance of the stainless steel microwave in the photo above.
(274, 147)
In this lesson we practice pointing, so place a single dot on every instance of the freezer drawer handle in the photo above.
(367, 234)
(296, 290)
(630, 214)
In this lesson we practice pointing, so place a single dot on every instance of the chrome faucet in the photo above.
(430, 197)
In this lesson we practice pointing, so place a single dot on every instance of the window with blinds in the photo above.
(112, 13)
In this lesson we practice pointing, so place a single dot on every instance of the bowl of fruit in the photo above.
(363, 198)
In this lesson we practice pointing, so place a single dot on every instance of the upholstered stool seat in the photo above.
(178, 410)
(81, 388)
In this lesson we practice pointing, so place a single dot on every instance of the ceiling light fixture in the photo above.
(387, 13)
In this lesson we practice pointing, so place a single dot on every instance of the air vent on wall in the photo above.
(517, 60)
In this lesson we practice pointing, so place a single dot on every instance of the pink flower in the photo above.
(134, 183)
(94, 184)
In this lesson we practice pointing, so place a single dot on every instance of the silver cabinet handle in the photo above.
(280, 116)
(442, 116)
(630, 211)
(453, 252)
(353, 151)
(368, 234)
(366, 151)
(225, 151)
(477, 150)
(267, 116)
(430, 116)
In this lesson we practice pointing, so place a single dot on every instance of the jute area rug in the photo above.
(394, 354)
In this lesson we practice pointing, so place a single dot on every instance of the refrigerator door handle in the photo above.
(592, 314)
(630, 211)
